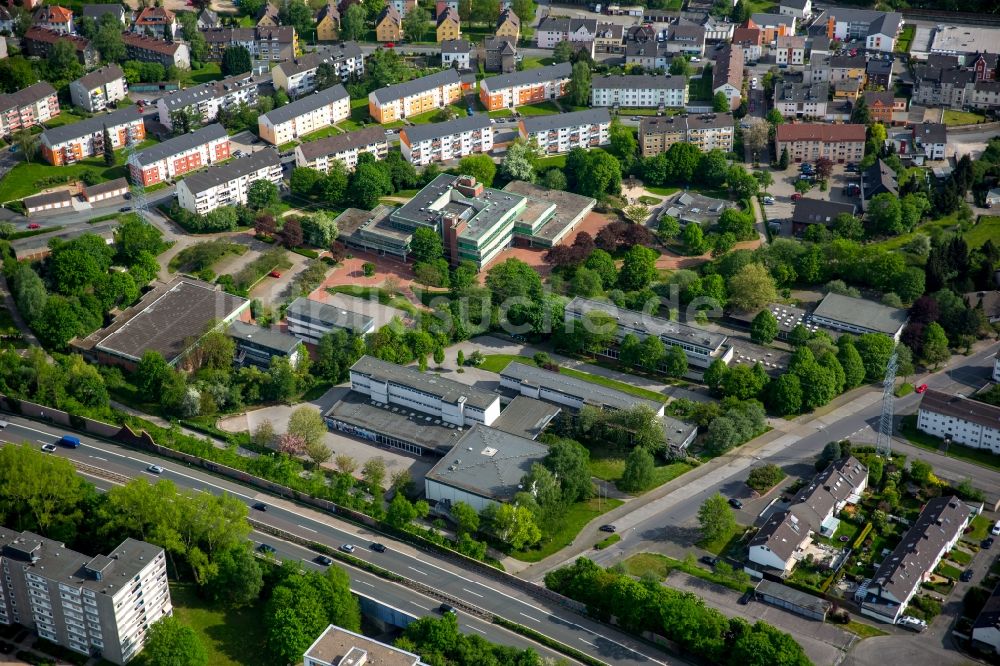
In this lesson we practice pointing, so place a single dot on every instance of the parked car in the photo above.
(966, 576)
(735, 503)
(347, 547)
(154, 469)
(324, 560)
(912, 623)
(49, 448)
(608, 528)
(746, 598)
(390, 45)
(275, 274)
(447, 609)
(921, 388)
(34, 225)
(796, 196)
(377, 547)
(768, 201)
(987, 543)
(996, 529)
(709, 560)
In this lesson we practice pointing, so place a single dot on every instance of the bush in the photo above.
(765, 477)
(860, 539)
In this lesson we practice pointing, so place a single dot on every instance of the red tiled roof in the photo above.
(149, 43)
(820, 132)
(154, 16)
(37, 34)
(53, 14)
(750, 35)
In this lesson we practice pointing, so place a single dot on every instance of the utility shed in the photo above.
(793, 600)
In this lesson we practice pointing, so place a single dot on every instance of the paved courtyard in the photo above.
(784, 187)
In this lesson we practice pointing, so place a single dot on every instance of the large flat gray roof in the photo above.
(862, 313)
(306, 104)
(317, 312)
(589, 392)
(488, 462)
(448, 390)
(180, 144)
(526, 417)
(271, 338)
(416, 86)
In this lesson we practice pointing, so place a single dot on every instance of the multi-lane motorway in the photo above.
(494, 596)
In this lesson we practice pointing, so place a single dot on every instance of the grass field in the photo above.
(320, 134)
(986, 229)
(536, 63)
(661, 566)
(953, 117)
(944, 224)
(558, 161)
(375, 293)
(210, 71)
(905, 39)
(663, 191)
(577, 516)
(980, 527)
(428, 117)
(64, 118)
(540, 109)
(862, 630)
(231, 637)
(611, 469)
(501, 113)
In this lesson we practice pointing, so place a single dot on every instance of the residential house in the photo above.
(554, 29)
(456, 53)
(28, 107)
(800, 9)
(403, 6)
(727, 77)
(717, 30)
(808, 212)
(847, 67)
(783, 538)
(202, 103)
(148, 49)
(509, 91)
(685, 37)
(794, 98)
(508, 25)
(55, 18)
(610, 38)
(986, 628)
(320, 154)
(440, 6)
(772, 26)
(847, 90)
(305, 115)
(449, 26)
(878, 179)
(807, 142)
(648, 55)
(157, 22)
(180, 155)
(878, 75)
(882, 105)
(877, 29)
(936, 531)
(501, 55)
(560, 133)
(708, 131)
(641, 33)
(985, 65)
(750, 40)
(389, 25)
(263, 42)
(208, 19)
(328, 23)
(439, 142)
(68, 144)
(227, 184)
(39, 42)
(267, 17)
(819, 45)
(298, 76)
(931, 139)
(790, 50)
(97, 11)
(93, 92)
(412, 98)
(959, 419)
(985, 96)
(645, 91)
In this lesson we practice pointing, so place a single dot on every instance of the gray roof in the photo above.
(97, 11)
(588, 392)
(447, 390)
(91, 125)
(526, 417)
(534, 124)
(455, 46)
(960, 407)
(359, 411)
(488, 462)
(502, 44)
(931, 132)
(328, 315)
(989, 616)
(790, 595)
(109, 186)
(670, 124)
(879, 67)
(329, 54)
(798, 92)
(306, 104)
(569, 207)
(793, 4)
(878, 178)
(50, 198)
(781, 534)
(210, 90)
(675, 82)
(217, 175)
(26, 96)
(818, 211)
(271, 338)
(418, 133)
(562, 70)
(35, 245)
(100, 77)
(416, 86)
(988, 300)
(567, 25)
(339, 143)
(861, 313)
(647, 324)
(763, 19)
(180, 144)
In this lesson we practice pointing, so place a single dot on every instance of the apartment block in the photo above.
(310, 320)
(305, 115)
(39, 42)
(263, 42)
(70, 143)
(437, 142)
(639, 91)
(412, 98)
(790, 50)
(508, 91)
(797, 99)
(150, 49)
(807, 142)
(562, 132)
(340, 647)
(227, 184)
(727, 77)
(708, 131)
(298, 76)
(344, 147)
(158, 22)
(961, 420)
(882, 105)
(878, 30)
(206, 100)
(28, 107)
(93, 92)
(772, 26)
(101, 605)
(180, 155)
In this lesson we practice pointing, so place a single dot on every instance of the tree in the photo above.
(636, 213)
(466, 518)
(518, 163)
(751, 288)
(713, 167)
(850, 361)
(860, 115)
(786, 395)
(569, 461)
(638, 268)
(764, 327)
(320, 230)
(426, 245)
(721, 103)
(578, 91)
(369, 182)
(109, 149)
(622, 142)
(305, 182)
(401, 512)
(236, 60)
(743, 382)
(668, 228)
(764, 477)
(306, 423)
(784, 159)
(239, 577)
(563, 51)
(885, 215)
(675, 362)
(875, 350)
(680, 66)
(693, 238)
(291, 233)
(352, 25)
(134, 236)
(513, 279)
(27, 142)
(416, 22)
(170, 642)
(935, 348)
(757, 138)
(480, 167)
(262, 194)
(373, 472)
(38, 492)
(716, 519)
(513, 525)
(638, 473)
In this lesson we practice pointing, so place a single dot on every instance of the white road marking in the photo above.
(471, 592)
(422, 573)
(533, 619)
(419, 606)
(469, 626)
(364, 582)
(586, 641)
(308, 529)
(99, 458)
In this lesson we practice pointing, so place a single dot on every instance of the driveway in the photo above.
(784, 187)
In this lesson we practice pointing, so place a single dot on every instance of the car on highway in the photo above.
(324, 560)
(154, 469)
(260, 506)
(266, 549)
(996, 529)
(124, 209)
(34, 225)
(49, 448)
(347, 547)
(607, 528)
(377, 547)
(987, 543)
(921, 388)
(966, 576)
(70, 441)
(735, 503)
(447, 609)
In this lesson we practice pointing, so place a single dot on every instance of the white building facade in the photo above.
(205, 101)
(563, 132)
(322, 153)
(639, 91)
(423, 144)
(303, 116)
(96, 90)
(961, 420)
(227, 185)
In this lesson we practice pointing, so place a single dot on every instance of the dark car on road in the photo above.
(377, 547)
(266, 549)
(709, 560)
(608, 528)
(447, 609)
(260, 506)
(735, 503)
(324, 560)
(966, 576)
(987, 542)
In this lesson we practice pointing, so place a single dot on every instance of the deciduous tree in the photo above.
(716, 519)
(170, 642)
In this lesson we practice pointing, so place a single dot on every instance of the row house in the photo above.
(263, 42)
(411, 98)
(389, 25)
(320, 154)
(93, 92)
(878, 74)
(961, 420)
(97, 11)
(807, 142)
(790, 50)
(797, 99)
(772, 26)
(708, 131)
(649, 55)
(501, 54)
(645, 91)
(528, 87)
(298, 76)
(227, 184)
(882, 105)
(28, 107)
(985, 95)
(305, 115)
(878, 30)
(39, 42)
(327, 23)
(203, 102)
(508, 25)
(727, 77)
(180, 155)
(943, 81)
(71, 143)
(439, 142)
(55, 18)
(157, 22)
(931, 139)
(751, 41)
(561, 133)
(610, 38)
(554, 29)
(685, 37)
(150, 49)
(449, 26)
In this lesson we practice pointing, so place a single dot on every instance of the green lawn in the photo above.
(953, 117)
(20, 181)
(988, 228)
(960, 557)
(944, 224)
(540, 109)
(231, 637)
(370, 293)
(64, 118)
(536, 63)
(611, 468)
(663, 191)
(577, 516)
(905, 38)
(287, 146)
(949, 571)
(660, 566)
(722, 544)
(320, 134)
(862, 630)
(557, 161)
(501, 113)
(428, 117)
(980, 527)
(210, 71)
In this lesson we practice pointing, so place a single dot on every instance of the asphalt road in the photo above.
(451, 580)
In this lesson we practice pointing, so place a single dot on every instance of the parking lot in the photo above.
(784, 188)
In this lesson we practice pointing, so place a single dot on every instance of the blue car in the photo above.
(71, 441)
